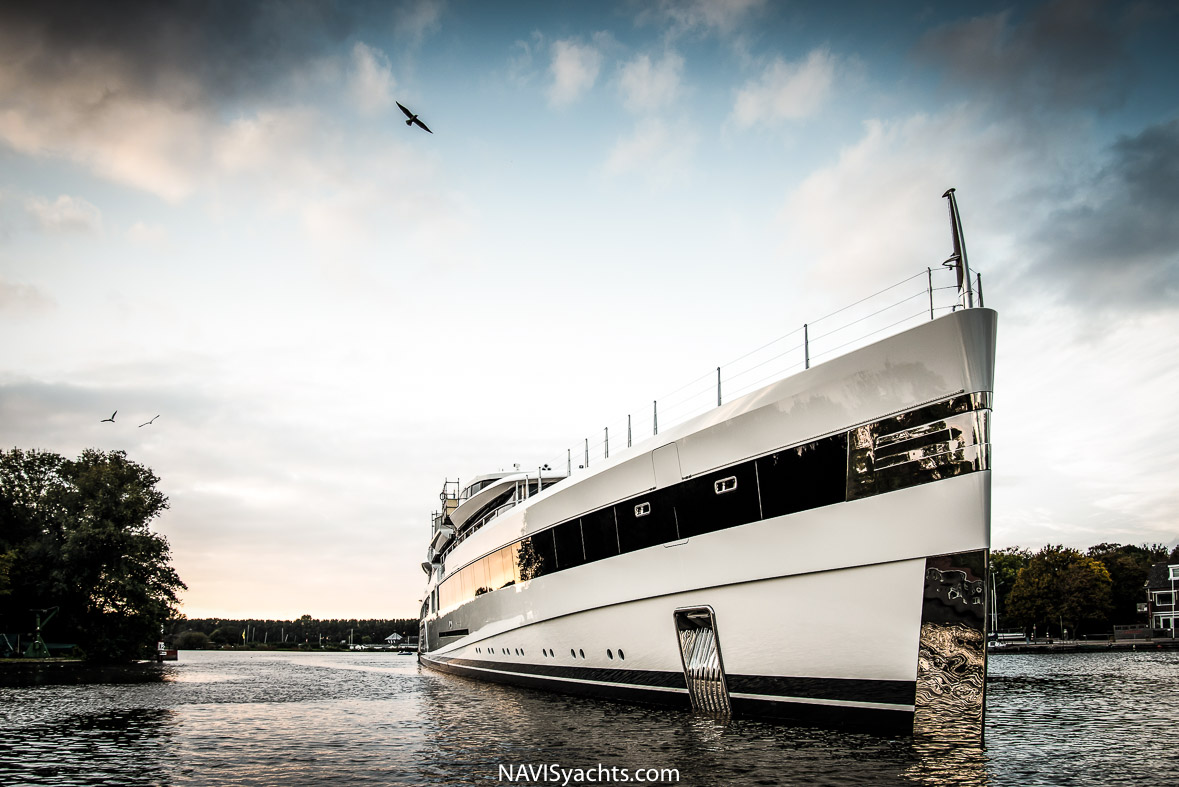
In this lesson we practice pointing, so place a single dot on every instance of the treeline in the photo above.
(1061, 588)
(305, 632)
(78, 553)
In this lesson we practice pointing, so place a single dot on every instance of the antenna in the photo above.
(959, 256)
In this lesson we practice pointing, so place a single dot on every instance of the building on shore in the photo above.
(1161, 584)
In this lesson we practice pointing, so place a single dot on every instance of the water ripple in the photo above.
(375, 719)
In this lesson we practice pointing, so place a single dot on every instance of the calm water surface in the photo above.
(375, 719)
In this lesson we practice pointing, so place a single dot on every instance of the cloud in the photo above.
(140, 94)
(1064, 54)
(722, 17)
(150, 235)
(1118, 240)
(786, 91)
(211, 51)
(65, 214)
(22, 299)
(647, 86)
(653, 151)
(520, 69)
(1111, 476)
(370, 79)
(876, 209)
(109, 116)
(419, 19)
(575, 68)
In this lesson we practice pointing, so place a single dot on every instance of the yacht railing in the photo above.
(924, 296)
(490, 515)
(519, 496)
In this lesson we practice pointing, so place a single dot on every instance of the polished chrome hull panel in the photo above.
(700, 653)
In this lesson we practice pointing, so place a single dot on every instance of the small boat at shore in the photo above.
(814, 550)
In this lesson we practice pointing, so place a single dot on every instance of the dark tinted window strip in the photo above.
(788, 481)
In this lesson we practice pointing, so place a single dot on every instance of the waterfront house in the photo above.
(1162, 583)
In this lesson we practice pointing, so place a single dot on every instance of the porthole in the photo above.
(642, 509)
(621, 655)
(609, 655)
(582, 652)
(725, 485)
(572, 652)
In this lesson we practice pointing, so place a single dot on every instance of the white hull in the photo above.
(817, 614)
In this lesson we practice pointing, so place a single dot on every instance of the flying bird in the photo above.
(111, 419)
(413, 119)
(149, 423)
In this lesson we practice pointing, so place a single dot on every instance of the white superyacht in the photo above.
(815, 550)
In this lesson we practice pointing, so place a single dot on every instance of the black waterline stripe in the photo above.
(895, 692)
(889, 720)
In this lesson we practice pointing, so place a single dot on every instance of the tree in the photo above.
(227, 635)
(1127, 566)
(1005, 566)
(1060, 586)
(6, 561)
(80, 529)
(192, 640)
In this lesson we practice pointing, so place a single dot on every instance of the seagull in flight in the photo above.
(111, 419)
(149, 423)
(413, 119)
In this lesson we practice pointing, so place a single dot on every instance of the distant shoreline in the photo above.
(1086, 646)
(48, 672)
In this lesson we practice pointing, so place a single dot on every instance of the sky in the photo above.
(215, 213)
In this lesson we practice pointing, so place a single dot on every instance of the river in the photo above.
(300, 719)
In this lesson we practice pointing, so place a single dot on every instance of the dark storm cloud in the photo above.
(1121, 242)
(230, 48)
(1063, 54)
